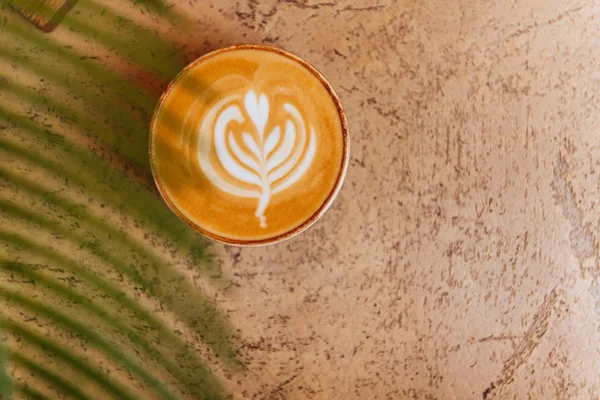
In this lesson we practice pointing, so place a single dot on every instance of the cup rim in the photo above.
(326, 203)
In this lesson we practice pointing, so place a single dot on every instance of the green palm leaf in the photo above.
(75, 194)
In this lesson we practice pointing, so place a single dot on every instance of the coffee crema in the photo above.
(249, 145)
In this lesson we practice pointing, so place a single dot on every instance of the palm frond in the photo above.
(77, 157)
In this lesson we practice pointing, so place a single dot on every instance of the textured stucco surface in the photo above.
(461, 259)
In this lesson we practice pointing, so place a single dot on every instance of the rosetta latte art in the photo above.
(261, 164)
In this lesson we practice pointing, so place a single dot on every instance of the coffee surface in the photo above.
(248, 144)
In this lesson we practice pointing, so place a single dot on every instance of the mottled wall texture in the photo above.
(461, 259)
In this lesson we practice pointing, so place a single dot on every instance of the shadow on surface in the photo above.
(113, 268)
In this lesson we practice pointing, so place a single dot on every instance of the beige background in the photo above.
(461, 259)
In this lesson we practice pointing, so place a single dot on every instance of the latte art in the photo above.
(269, 162)
(249, 145)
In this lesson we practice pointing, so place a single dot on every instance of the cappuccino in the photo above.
(249, 145)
